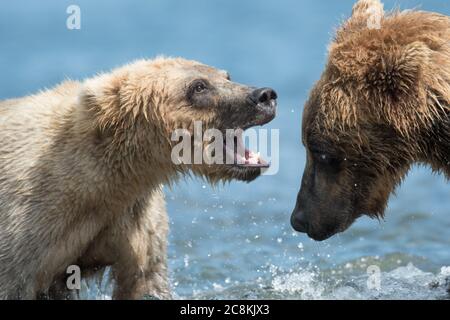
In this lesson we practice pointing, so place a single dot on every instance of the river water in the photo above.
(235, 240)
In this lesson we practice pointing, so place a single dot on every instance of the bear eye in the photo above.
(323, 158)
(326, 159)
(199, 87)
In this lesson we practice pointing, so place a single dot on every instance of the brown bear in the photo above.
(381, 105)
(82, 168)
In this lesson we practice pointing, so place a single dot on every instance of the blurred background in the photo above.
(235, 241)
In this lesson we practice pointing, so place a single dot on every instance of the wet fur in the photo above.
(81, 173)
(381, 105)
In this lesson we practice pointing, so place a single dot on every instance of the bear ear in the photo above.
(364, 9)
(101, 97)
(366, 14)
(396, 85)
(396, 71)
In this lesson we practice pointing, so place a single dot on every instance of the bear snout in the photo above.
(265, 102)
(263, 96)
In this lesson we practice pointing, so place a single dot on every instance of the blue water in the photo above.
(235, 241)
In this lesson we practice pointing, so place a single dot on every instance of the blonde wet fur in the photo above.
(81, 173)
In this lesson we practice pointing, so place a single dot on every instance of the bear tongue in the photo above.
(247, 158)
(251, 157)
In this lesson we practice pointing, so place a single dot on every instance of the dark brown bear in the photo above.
(381, 105)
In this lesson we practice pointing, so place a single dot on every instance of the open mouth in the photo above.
(238, 155)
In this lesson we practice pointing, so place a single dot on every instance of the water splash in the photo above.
(346, 281)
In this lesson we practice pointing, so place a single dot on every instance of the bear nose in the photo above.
(263, 95)
(299, 222)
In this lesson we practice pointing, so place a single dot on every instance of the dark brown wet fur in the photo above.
(381, 105)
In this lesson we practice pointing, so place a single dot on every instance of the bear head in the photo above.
(140, 109)
(376, 110)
